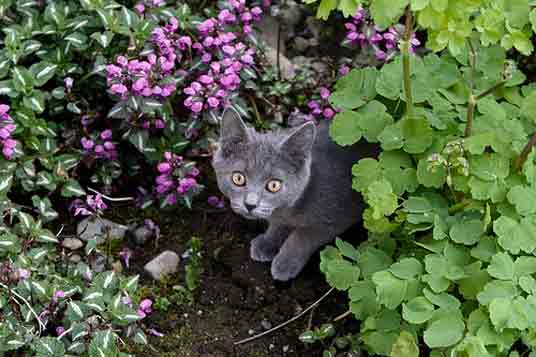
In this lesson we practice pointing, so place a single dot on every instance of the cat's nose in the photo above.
(250, 207)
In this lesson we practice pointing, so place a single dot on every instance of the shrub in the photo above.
(82, 84)
(448, 266)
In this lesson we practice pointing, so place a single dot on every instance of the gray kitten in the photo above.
(296, 179)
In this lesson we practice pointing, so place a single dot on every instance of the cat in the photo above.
(297, 179)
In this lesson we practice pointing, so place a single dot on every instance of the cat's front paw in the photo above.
(262, 249)
(285, 268)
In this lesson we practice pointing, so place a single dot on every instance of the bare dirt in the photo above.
(235, 294)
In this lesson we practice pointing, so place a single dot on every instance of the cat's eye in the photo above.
(238, 179)
(274, 186)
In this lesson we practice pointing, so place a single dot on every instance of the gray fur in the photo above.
(316, 201)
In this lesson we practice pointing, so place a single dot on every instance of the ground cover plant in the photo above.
(448, 266)
(103, 102)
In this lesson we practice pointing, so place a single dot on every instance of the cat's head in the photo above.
(260, 173)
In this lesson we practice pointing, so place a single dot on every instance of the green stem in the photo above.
(406, 63)
(518, 165)
(472, 100)
(491, 90)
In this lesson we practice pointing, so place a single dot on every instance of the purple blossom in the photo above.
(216, 202)
(7, 128)
(58, 294)
(144, 308)
(125, 255)
(23, 273)
(91, 206)
(68, 81)
(60, 330)
(154, 332)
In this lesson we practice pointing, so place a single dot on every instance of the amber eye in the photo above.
(274, 186)
(238, 179)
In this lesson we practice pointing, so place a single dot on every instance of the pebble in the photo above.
(142, 234)
(99, 229)
(286, 348)
(251, 332)
(98, 264)
(75, 258)
(72, 243)
(301, 44)
(271, 346)
(266, 324)
(165, 263)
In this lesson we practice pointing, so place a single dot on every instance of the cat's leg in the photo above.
(265, 246)
(296, 251)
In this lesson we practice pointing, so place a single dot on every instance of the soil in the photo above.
(235, 293)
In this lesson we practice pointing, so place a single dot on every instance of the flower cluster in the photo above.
(321, 108)
(384, 44)
(216, 202)
(142, 6)
(92, 205)
(7, 127)
(145, 308)
(102, 147)
(146, 78)
(225, 54)
(176, 179)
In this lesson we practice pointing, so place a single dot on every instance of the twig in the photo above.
(525, 153)
(118, 199)
(310, 322)
(286, 322)
(42, 326)
(255, 109)
(471, 102)
(342, 316)
(60, 231)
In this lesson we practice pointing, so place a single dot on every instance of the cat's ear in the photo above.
(300, 142)
(232, 129)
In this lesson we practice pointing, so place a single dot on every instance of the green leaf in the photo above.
(528, 106)
(381, 198)
(325, 8)
(444, 332)
(418, 310)
(467, 232)
(23, 79)
(497, 289)
(407, 268)
(373, 118)
(348, 7)
(417, 5)
(48, 347)
(387, 12)
(501, 266)
(405, 346)
(391, 138)
(430, 177)
(340, 273)
(72, 189)
(508, 313)
(489, 167)
(35, 102)
(103, 38)
(355, 89)
(347, 250)
(516, 236)
(345, 129)
(365, 172)
(43, 72)
(390, 290)
(524, 198)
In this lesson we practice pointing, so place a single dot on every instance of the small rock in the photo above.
(75, 258)
(286, 348)
(291, 15)
(98, 264)
(142, 234)
(270, 28)
(99, 229)
(72, 243)
(287, 68)
(251, 332)
(266, 324)
(301, 44)
(165, 263)
(271, 346)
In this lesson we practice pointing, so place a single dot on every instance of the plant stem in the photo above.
(278, 50)
(518, 165)
(406, 62)
(472, 100)
(490, 90)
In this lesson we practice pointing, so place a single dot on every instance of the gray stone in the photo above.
(266, 324)
(301, 44)
(98, 264)
(286, 67)
(100, 229)
(165, 263)
(72, 243)
(142, 234)
(291, 14)
(269, 31)
(75, 258)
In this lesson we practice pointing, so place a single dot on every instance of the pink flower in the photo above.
(324, 93)
(164, 167)
(213, 102)
(119, 89)
(60, 330)
(106, 134)
(58, 294)
(154, 332)
(197, 107)
(23, 273)
(140, 8)
(125, 255)
(140, 84)
(87, 144)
